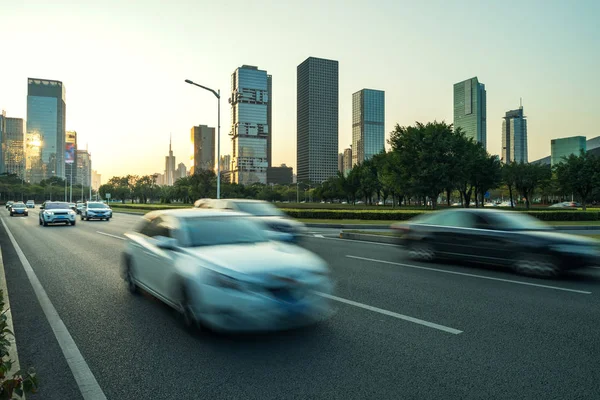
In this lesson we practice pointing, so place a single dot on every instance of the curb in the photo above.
(369, 238)
(12, 350)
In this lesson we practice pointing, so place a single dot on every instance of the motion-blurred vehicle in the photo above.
(53, 212)
(273, 218)
(30, 204)
(95, 210)
(221, 270)
(19, 209)
(514, 239)
(9, 204)
(566, 204)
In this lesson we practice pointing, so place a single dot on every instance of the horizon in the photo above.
(124, 68)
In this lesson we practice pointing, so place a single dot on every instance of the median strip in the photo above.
(393, 314)
(470, 275)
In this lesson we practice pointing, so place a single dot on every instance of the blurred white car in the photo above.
(223, 271)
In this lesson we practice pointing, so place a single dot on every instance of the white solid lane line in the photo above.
(393, 314)
(88, 386)
(112, 236)
(471, 275)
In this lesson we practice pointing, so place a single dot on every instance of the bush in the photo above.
(565, 215)
(18, 382)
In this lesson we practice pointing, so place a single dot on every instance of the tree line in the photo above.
(426, 162)
(13, 188)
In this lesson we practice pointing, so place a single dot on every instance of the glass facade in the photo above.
(470, 109)
(14, 147)
(514, 137)
(250, 114)
(46, 113)
(317, 119)
(565, 147)
(203, 148)
(368, 119)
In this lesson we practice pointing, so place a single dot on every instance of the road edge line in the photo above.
(85, 379)
(13, 354)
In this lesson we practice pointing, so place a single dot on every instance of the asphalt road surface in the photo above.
(402, 330)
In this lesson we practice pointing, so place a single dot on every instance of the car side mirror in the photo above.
(167, 243)
(41, 207)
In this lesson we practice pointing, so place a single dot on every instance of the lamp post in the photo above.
(218, 96)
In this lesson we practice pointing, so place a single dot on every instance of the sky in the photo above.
(124, 62)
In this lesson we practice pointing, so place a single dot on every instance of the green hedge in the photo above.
(402, 215)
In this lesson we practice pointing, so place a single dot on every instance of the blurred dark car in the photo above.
(274, 219)
(19, 209)
(489, 236)
(566, 204)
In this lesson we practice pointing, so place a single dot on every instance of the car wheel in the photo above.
(11, 214)
(422, 251)
(536, 265)
(72, 223)
(188, 317)
(129, 277)
(45, 223)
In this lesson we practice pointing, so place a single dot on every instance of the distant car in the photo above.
(9, 204)
(19, 209)
(221, 270)
(79, 207)
(73, 207)
(273, 218)
(53, 212)
(96, 210)
(490, 236)
(565, 204)
(30, 204)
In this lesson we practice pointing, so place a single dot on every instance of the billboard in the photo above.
(70, 153)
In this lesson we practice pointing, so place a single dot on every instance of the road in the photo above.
(402, 329)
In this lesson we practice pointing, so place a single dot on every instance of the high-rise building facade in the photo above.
(12, 156)
(269, 120)
(593, 143)
(203, 148)
(470, 109)
(564, 147)
(84, 168)
(368, 119)
(347, 161)
(282, 175)
(250, 128)
(46, 114)
(181, 171)
(170, 167)
(225, 164)
(514, 137)
(341, 163)
(96, 180)
(317, 119)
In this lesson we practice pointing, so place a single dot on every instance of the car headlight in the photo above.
(71, 212)
(49, 212)
(223, 281)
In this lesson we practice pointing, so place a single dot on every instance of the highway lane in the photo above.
(517, 341)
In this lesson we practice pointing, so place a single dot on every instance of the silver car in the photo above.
(54, 212)
(95, 210)
(222, 271)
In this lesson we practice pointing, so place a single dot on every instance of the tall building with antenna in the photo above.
(170, 166)
(514, 136)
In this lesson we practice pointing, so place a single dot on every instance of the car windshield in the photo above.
(18, 205)
(96, 205)
(56, 206)
(259, 209)
(214, 231)
(513, 221)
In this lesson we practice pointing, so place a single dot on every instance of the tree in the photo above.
(529, 177)
(579, 175)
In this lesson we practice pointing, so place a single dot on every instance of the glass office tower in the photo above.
(368, 118)
(514, 137)
(564, 147)
(46, 112)
(250, 128)
(470, 109)
(317, 120)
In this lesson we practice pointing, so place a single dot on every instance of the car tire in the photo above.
(40, 221)
(539, 265)
(45, 223)
(132, 287)
(72, 223)
(11, 214)
(186, 314)
(421, 250)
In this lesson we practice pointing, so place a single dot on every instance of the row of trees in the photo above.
(427, 162)
(13, 188)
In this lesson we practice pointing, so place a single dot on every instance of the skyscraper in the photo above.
(250, 128)
(514, 137)
(170, 167)
(564, 147)
(368, 119)
(12, 156)
(347, 161)
(96, 180)
(84, 169)
(470, 109)
(269, 120)
(341, 163)
(203, 148)
(46, 113)
(317, 119)
(181, 171)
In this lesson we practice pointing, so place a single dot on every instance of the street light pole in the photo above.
(218, 96)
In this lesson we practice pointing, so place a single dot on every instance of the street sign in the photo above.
(487, 195)
(108, 195)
